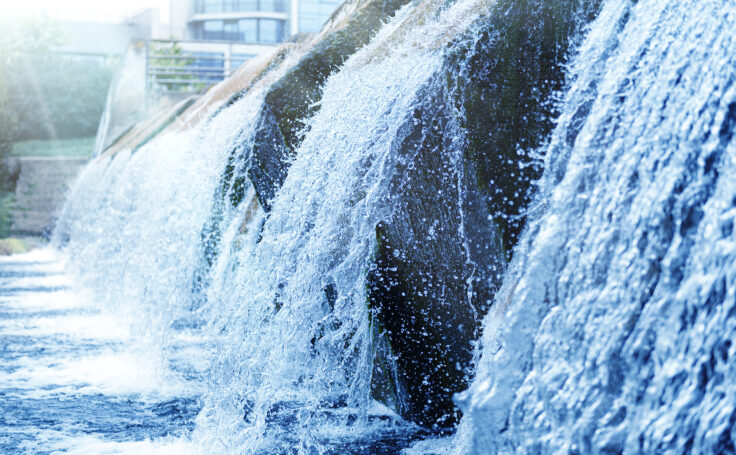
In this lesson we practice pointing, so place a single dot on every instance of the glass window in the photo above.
(210, 6)
(236, 6)
(249, 30)
(267, 31)
(213, 30)
(248, 5)
(230, 31)
(270, 31)
(272, 6)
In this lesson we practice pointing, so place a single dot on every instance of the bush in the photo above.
(12, 246)
(7, 204)
(49, 95)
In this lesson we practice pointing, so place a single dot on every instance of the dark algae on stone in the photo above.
(437, 263)
(293, 99)
(464, 171)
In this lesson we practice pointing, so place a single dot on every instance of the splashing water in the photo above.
(613, 331)
(287, 355)
(290, 354)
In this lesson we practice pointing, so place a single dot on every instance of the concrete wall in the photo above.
(41, 190)
(179, 12)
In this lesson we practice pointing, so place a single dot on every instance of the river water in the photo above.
(613, 331)
(73, 378)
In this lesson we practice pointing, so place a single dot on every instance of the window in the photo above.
(212, 30)
(273, 6)
(249, 30)
(209, 6)
(268, 31)
(237, 6)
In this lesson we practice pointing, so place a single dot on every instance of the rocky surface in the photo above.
(461, 195)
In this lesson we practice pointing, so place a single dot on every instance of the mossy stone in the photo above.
(11, 246)
(504, 76)
(294, 98)
(461, 196)
(437, 263)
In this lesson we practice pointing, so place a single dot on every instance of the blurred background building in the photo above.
(247, 21)
(261, 22)
(76, 75)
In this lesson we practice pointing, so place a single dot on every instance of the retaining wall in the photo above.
(41, 190)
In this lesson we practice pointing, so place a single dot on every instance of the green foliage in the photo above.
(8, 132)
(12, 246)
(43, 95)
(73, 148)
(48, 95)
(7, 205)
(8, 119)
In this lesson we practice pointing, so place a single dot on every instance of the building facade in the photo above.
(247, 21)
(243, 21)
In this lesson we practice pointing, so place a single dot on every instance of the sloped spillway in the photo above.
(618, 325)
(288, 288)
(328, 262)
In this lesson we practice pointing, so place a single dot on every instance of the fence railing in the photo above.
(191, 66)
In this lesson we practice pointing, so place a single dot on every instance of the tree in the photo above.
(172, 68)
(8, 129)
(44, 95)
(51, 95)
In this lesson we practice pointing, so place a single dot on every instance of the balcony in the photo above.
(191, 66)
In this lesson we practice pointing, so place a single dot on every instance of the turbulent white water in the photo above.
(132, 234)
(287, 357)
(290, 373)
(618, 315)
(612, 331)
(73, 378)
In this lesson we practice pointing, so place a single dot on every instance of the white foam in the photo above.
(59, 443)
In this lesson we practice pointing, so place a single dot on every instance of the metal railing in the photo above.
(191, 66)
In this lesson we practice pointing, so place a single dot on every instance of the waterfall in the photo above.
(513, 218)
(132, 225)
(298, 343)
(172, 236)
(613, 329)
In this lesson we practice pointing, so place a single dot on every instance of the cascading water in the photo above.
(298, 342)
(314, 284)
(613, 331)
(284, 296)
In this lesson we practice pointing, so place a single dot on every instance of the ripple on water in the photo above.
(72, 379)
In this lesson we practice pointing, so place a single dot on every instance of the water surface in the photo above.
(75, 379)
